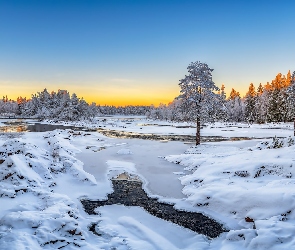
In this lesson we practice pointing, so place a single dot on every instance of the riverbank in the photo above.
(244, 185)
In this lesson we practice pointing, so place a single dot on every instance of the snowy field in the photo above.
(247, 185)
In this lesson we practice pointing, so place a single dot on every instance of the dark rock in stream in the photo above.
(130, 193)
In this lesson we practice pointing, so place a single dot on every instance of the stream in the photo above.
(147, 151)
(20, 126)
(130, 193)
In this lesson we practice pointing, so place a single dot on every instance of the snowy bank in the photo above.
(252, 186)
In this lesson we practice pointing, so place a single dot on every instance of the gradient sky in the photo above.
(135, 52)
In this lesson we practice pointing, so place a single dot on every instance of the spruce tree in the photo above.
(261, 104)
(235, 108)
(222, 110)
(277, 105)
(291, 98)
(250, 101)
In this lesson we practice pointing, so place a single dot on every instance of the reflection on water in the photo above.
(13, 129)
(39, 127)
(18, 126)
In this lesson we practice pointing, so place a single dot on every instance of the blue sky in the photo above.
(120, 52)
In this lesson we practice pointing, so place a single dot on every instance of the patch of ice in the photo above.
(179, 173)
(115, 168)
(124, 151)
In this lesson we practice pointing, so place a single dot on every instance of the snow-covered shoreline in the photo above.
(247, 185)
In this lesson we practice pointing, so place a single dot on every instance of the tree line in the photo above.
(271, 102)
(200, 100)
(62, 105)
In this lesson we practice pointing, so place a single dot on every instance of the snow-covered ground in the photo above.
(246, 185)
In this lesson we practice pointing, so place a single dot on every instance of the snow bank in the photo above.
(136, 229)
(251, 186)
(41, 183)
(276, 143)
(52, 220)
(250, 189)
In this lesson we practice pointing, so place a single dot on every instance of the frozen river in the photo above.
(160, 175)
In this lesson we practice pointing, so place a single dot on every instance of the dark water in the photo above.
(39, 127)
(19, 126)
(130, 193)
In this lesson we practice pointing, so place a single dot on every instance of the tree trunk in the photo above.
(294, 126)
(198, 133)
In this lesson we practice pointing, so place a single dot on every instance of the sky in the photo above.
(135, 52)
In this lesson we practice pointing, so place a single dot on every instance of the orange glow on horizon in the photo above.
(144, 98)
(104, 96)
(111, 94)
(135, 96)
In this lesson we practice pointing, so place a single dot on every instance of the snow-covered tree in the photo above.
(8, 107)
(221, 108)
(236, 110)
(235, 107)
(250, 101)
(291, 98)
(261, 104)
(197, 90)
(174, 110)
(277, 103)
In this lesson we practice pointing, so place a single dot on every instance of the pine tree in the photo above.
(289, 79)
(259, 90)
(197, 90)
(44, 103)
(82, 109)
(250, 100)
(277, 105)
(261, 104)
(235, 109)
(222, 109)
(233, 94)
(291, 98)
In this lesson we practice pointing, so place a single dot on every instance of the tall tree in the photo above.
(277, 103)
(197, 90)
(291, 97)
(261, 104)
(250, 100)
(235, 107)
(222, 109)
(233, 94)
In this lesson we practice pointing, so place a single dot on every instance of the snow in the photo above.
(247, 185)
(141, 230)
(116, 168)
(240, 183)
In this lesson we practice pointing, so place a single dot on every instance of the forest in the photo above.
(270, 102)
